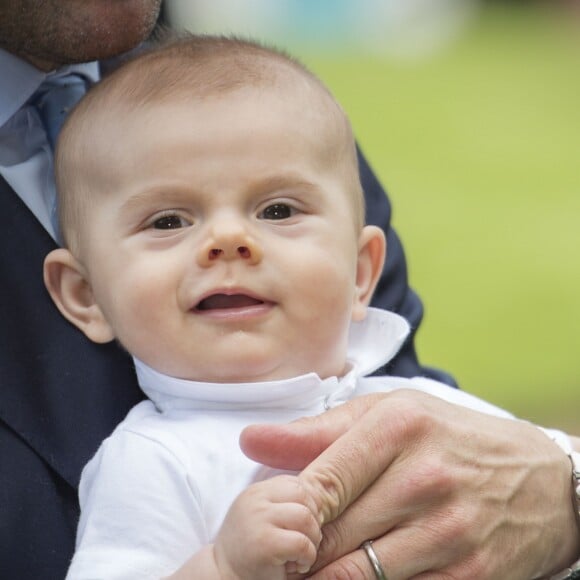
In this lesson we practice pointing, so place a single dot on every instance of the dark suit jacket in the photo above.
(60, 394)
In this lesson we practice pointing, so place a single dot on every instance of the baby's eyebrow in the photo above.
(274, 182)
(181, 194)
(173, 195)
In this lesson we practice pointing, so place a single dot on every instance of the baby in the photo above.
(214, 225)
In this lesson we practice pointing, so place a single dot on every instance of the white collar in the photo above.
(24, 79)
(372, 343)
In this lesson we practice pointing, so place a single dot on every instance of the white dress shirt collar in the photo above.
(372, 343)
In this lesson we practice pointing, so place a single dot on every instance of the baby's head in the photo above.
(213, 215)
(189, 72)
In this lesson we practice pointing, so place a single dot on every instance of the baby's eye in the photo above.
(170, 222)
(277, 211)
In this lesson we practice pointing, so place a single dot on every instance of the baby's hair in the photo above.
(184, 68)
(200, 66)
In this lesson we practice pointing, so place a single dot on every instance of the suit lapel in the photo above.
(59, 392)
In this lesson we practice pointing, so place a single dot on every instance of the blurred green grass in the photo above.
(478, 146)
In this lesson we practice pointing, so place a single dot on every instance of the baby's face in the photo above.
(222, 246)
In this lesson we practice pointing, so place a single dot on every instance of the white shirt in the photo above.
(159, 487)
(26, 160)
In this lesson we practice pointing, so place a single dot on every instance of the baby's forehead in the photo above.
(114, 118)
(288, 102)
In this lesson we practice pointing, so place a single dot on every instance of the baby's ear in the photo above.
(68, 286)
(372, 248)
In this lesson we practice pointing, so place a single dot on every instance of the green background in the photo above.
(478, 146)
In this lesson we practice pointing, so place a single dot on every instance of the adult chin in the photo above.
(52, 33)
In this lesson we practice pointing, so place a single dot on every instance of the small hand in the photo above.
(269, 532)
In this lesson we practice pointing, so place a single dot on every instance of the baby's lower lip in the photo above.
(232, 307)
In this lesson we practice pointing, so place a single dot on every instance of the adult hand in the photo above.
(442, 489)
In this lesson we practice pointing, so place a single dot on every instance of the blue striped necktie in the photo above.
(55, 98)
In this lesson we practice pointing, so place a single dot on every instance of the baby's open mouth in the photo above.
(227, 301)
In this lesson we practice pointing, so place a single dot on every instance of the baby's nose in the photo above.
(229, 241)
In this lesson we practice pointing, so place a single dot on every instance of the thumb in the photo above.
(294, 445)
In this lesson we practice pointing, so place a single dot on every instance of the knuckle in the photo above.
(430, 480)
(332, 542)
(413, 416)
(438, 477)
(452, 529)
(451, 533)
(331, 493)
(300, 544)
(293, 488)
(305, 518)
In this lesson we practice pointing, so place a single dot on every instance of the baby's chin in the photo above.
(257, 376)
(249, 369)
(238, 374)
(243, 377)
